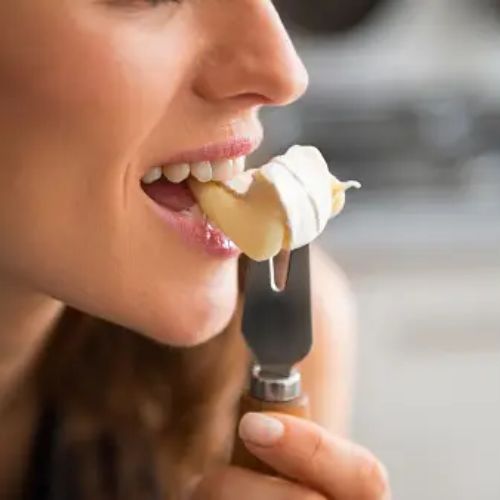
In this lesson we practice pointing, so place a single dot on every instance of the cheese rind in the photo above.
(302, 180)
(285, 204)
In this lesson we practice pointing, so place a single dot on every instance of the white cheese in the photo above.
(285, 204)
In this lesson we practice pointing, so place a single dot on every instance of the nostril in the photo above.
(249, 99)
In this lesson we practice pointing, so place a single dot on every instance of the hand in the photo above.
(317, 465)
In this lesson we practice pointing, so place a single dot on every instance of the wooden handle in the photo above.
(241, 456)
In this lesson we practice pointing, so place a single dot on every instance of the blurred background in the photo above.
(405, 97)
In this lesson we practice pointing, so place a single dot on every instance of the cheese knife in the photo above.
(277, 328)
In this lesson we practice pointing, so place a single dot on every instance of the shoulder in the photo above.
(333, 303)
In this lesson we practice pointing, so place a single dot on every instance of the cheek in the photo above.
(101, 87)
(76, 111)
(77, 100)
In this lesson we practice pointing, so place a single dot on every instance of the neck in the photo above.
(26, 319)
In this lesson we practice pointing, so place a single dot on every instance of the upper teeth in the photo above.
(204, 171)
(152, 176)
(177, 173)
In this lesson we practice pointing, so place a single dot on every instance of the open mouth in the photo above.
(167, 186)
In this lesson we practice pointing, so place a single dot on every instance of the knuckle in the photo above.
(317, 448)
(372, 477)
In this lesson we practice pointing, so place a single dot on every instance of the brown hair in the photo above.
(137, 419)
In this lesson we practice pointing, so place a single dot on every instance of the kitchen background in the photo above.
(405, 97)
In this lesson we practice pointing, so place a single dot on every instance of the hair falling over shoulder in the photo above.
(137, 419)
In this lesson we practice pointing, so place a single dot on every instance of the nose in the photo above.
(249, 57)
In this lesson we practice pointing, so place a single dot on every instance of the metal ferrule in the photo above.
(274, 388)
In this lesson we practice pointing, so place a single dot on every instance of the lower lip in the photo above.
(197, 232)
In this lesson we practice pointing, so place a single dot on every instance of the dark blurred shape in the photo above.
(496, 6)
(326, 16)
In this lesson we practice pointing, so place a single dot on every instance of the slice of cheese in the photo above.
(285, 204)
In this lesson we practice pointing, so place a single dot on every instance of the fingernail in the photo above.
(260, 429)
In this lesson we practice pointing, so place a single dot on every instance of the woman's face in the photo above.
(93, 94)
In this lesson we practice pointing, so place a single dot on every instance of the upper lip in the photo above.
(232, 148)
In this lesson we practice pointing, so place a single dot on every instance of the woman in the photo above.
(93, 94)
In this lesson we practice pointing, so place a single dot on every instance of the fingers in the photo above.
(230, 483)
(304, 451)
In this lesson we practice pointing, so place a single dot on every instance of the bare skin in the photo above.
(92, 94)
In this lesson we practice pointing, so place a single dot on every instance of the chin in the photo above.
(181, 310)
(194, 320)
(196, 327)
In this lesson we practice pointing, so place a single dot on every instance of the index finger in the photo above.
(307, 453)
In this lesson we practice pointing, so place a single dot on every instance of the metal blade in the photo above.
(277, 324)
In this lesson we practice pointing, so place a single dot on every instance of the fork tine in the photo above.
(277, 325)
(279, 268)
(299, 275)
